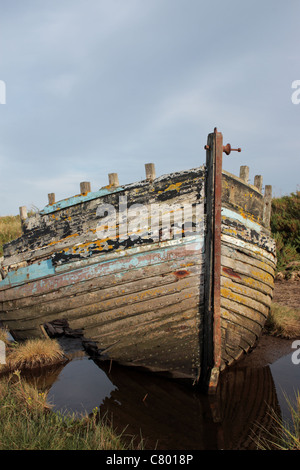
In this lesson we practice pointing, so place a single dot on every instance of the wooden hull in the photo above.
(247, 277)
(248, 262)
(142, 295)
(141, 310)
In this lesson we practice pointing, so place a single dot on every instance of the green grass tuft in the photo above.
(27, 423)
(285, 227)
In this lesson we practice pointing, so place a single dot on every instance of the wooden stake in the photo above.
(113, 179)
(150, 171)
(244, 173)
(267, 206)
(85, 187)
(23, 213)
(51, 198)
(258, 182)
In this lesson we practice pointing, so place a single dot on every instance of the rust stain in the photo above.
(181, 273)
(231, 273)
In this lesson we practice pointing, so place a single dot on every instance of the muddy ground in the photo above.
(287, 293)
(269, 348)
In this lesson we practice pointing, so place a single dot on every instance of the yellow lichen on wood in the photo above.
(172, 187)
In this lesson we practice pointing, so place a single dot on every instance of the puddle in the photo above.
(286, 376)
(170, 415)
(80, 387)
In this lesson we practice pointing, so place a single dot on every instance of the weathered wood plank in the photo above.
(247, 258)
(110, 264)
(108, 281)
(163, 342)
(249, 249)
(113, 318)
(238, 226)
(109, 298)
(149, 328)
(238, 307)
(247, 270)
(80, 216)
(236, 288)
(247, 281)
(111, 324)
(94, 313)
(242, 196)
(242, 299)
(249, 327)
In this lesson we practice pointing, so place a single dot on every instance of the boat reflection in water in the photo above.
(167, 414)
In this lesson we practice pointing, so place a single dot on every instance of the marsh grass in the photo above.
(10, 229)
(32, 353)
(27, 423)
(283, 435)
(283, 321)
(4, 335)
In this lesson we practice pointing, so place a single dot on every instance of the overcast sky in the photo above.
(101, 86)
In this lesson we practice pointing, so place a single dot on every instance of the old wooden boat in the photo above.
(173, 273)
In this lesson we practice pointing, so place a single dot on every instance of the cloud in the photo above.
(61, 85)
(101, 86)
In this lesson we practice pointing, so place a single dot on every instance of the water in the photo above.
(171, 415)
(286, 376)
(80, 387)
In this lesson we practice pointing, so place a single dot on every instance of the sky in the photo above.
(92, 87)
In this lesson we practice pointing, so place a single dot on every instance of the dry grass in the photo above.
(283, 321)
(10, 229)
(33, 353)
(3, 335)
(283, 436)
(27, 423)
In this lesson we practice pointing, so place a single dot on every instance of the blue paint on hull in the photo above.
(125, 260)
(245, 221)
(28, 273)
(72, 201)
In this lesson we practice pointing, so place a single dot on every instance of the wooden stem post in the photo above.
(212, 321)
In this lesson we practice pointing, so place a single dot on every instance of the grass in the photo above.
(27, 423)
(282, 436)
(3, 336)
(32, 353)
(285, 228)
(10, 229)
(283, 321)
